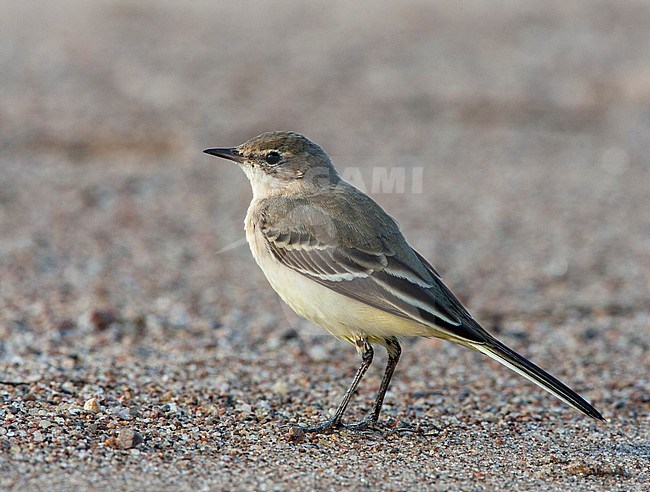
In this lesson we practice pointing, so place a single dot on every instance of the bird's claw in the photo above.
(324, 427)
(330, 425)
(367, 424)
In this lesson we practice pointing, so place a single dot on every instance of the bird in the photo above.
(338, 259)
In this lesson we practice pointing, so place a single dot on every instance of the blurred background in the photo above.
(531, 123)
(121, 278)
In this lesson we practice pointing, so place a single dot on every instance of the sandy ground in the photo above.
(124, 287)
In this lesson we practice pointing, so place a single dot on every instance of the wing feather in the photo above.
(380, 270)
(373, 278)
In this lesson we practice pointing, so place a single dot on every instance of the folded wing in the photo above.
(380, 273)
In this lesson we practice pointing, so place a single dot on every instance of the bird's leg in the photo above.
(365, 349)
(394, 351)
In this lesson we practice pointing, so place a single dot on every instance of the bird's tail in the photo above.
(508, 357)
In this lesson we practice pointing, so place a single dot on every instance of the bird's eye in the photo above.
(273, 157)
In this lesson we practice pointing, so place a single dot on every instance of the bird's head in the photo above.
(282, 162)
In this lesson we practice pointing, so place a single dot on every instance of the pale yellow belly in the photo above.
(342, 316)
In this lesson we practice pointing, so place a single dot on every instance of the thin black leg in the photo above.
(394, 351)
(335, 421)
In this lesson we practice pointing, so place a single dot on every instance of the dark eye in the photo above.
(273, 157)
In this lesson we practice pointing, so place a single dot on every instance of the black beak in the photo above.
(232, 154)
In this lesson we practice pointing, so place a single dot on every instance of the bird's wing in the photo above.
(379, 269)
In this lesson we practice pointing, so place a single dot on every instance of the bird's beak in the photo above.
(231, 154)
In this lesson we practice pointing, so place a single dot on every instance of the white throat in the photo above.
(263, 184)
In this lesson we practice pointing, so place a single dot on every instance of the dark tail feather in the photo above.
(508, 357)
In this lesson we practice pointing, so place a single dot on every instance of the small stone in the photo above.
(67, 387)
(111, 442)
(29, 397)
(295, 434)
(124, 414)
(170, 407)
(318, 353)
(129, 438)
(280, 388)
(38, 436)
(101, 319)
(246, 409)
(289, 334)
(91, 405)
(44, 424)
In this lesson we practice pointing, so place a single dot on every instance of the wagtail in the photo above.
(338, 259)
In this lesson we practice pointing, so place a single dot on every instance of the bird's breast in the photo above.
(342, 316)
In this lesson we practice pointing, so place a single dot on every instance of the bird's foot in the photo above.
(324, 427)
(330, 425)
(370, 423)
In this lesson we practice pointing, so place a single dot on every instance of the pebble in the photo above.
(129, 438)
(91, 405)
(280, 387)
(318, 353)
(245, 409)
(101, 318)
(295, 434)
(68, 387)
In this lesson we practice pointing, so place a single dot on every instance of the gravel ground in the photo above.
(140, 346)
